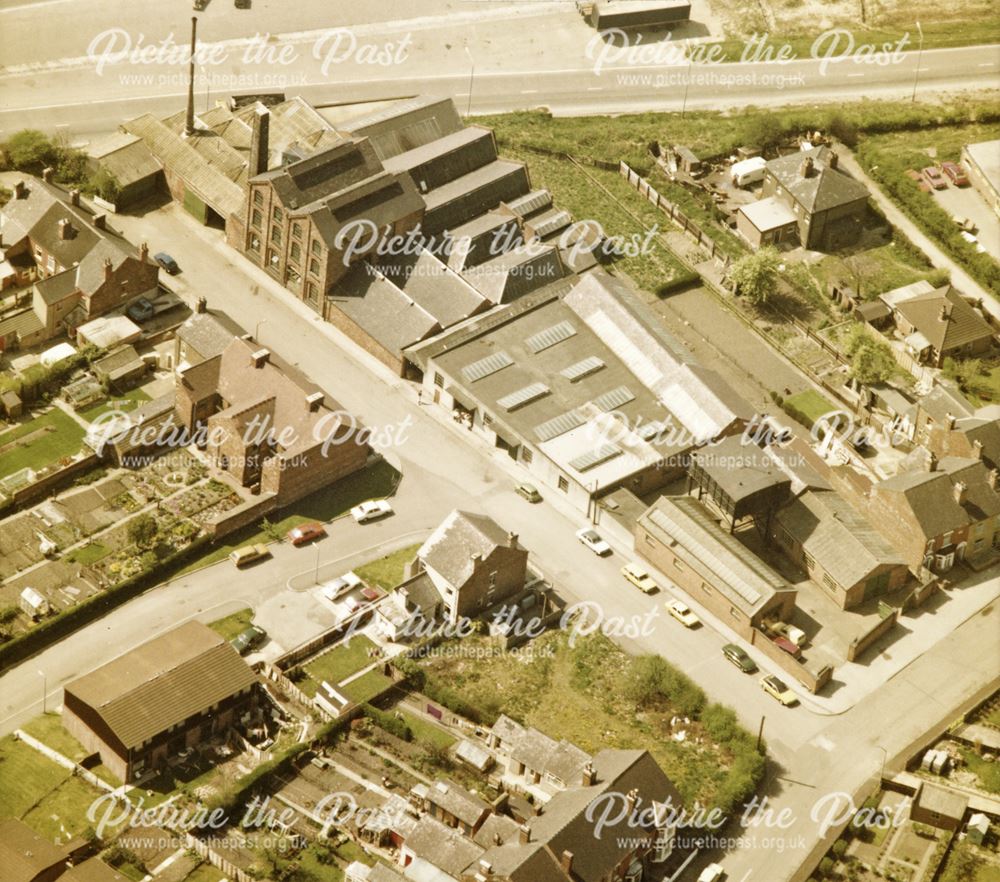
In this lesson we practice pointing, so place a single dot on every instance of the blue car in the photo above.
(167, 262)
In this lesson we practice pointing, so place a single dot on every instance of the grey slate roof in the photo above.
(208, 333)
(841, 540)
(539, 752)
(442, 846)
(449, 549)
(824, 189)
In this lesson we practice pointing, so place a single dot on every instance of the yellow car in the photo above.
(682, 612)
(248, 554)
(638, 576)
(778, 690)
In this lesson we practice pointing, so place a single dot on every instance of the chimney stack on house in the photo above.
(476, 559)
(189, 119)
(524, 834)
(949, 421)
(20, 190)
(47, 174)
(632, 800)
(806, 169)
(566, 862)
(100, 221)
(932, 462)
(945, 312)
(977, 449)
(144, 252)
(109, 270)
(960, 489)
(833, 161)
(65, 229)
(589, 775)
(511, 539)
(74, 197)
(260, 357)
(314, 401)
(259, 141)
(991, 478)
(201, 305)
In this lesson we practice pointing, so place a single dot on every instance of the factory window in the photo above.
(258, 197)
(563, 484)
(258, 218)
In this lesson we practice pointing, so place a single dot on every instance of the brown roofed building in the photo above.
(27, 857)
(942, 324)
(176, 691)
(94, 870)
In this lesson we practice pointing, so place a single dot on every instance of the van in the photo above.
(248, 554)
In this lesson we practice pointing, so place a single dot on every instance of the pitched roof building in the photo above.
(27, 857)
(939, 323)
(176, 690)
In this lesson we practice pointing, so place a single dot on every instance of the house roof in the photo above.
(942, 400)
(823, 188)
(455, 800)
(125, 156)
(449, 550)
(94, 870)
(840, 539)
(442, 846)
(733, 569)
(942, 801)
(561, 759)
(962, 324)
(405, 125)
(22, 323)
(986, 432)
(24, 854)
(740, 470)
(768, 214)
(163, 682)
(208, 333)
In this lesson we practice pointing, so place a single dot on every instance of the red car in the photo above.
(918, 179)
(787, 645)
(932, 174)
(955, 173)
(304, 533)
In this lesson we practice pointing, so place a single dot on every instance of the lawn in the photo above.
(48, 729)
(387, 572)
(876, 270)
(232, 625)
(807, 407)
(123, 403)
(338, 663)
(88, 554)
(366, 687)
(987, 773)
(204, 873)
(62, 814)
(60, 436)
(583, 694)
(426, 732)
(325, 505)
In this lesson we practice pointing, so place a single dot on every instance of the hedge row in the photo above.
(40, 379)
(390, 723)
(416, 678)
(237, 795)
(64, 623)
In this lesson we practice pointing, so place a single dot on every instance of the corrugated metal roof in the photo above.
(595, 457)
(486, 366)
(581, 369)
(559, 425)
(524, 396)
(550, 336)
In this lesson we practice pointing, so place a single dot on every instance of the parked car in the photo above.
(796, 635)
(682, 612)
(340, 586)
(918, 178)
(932, 174)
(965, 224)
(305, 533)
(140, 310)
(371, 510)
(242, 4)
(593, 541)
(712, 873)
(738, 656)
(787, 645)
(529, 492)
(248, 554)
(778, 690)
(956, 174)
(248, 639)
(972, 240)
(167, 262)
(638, 576)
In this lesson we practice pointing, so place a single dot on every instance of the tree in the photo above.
(969, 375)
(30, 150)
(871, 360)
(755, 274)
(104, 184)
(142, 530)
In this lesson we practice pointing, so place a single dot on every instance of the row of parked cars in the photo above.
(937, 177)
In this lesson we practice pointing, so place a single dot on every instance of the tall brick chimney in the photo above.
(47, 174)
(833, 161)
(144, 252)
(20, 190)
(566, 862)
(259, 141)
(189, 119)
(806, 168)
(589, 775)
(524, 834)
(960, 489)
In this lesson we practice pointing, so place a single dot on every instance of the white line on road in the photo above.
(856, 75)
(595, 88)
(986, 64)
(529, 91)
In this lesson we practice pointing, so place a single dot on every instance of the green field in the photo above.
(387, 572)
(338, 663)
(60, 436)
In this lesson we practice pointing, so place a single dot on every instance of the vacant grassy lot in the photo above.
(53, 435)
(338, 663)
(234, 624)
(123, 403)
(426, 732)
(807, 407)
(589, 694)
(387, 572)
(325, 505)
(48, 729)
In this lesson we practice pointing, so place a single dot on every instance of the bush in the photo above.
(389, 722)
(31, 151)
(826, 867)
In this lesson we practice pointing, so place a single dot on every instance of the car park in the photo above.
(248, 554)
(638, 576)
(955, 173)
(305, 533)
(341, 585)
(371, 510)
(167, 262)
(738, 656)
(778, 690)
(682, 612)
(529, 492)
(932, 175)
(593, 541)
(248, 639)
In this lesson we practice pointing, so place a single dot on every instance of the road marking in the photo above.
(986, 64)
(595, 88)
(825, 743)
(529, 91)
(856, 75)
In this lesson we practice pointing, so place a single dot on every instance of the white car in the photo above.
(796, 635)
(639, 577)
(712, 873)
(972, 240)
(371, 510)
(682, 612)
(593, 541)
(339, 587)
